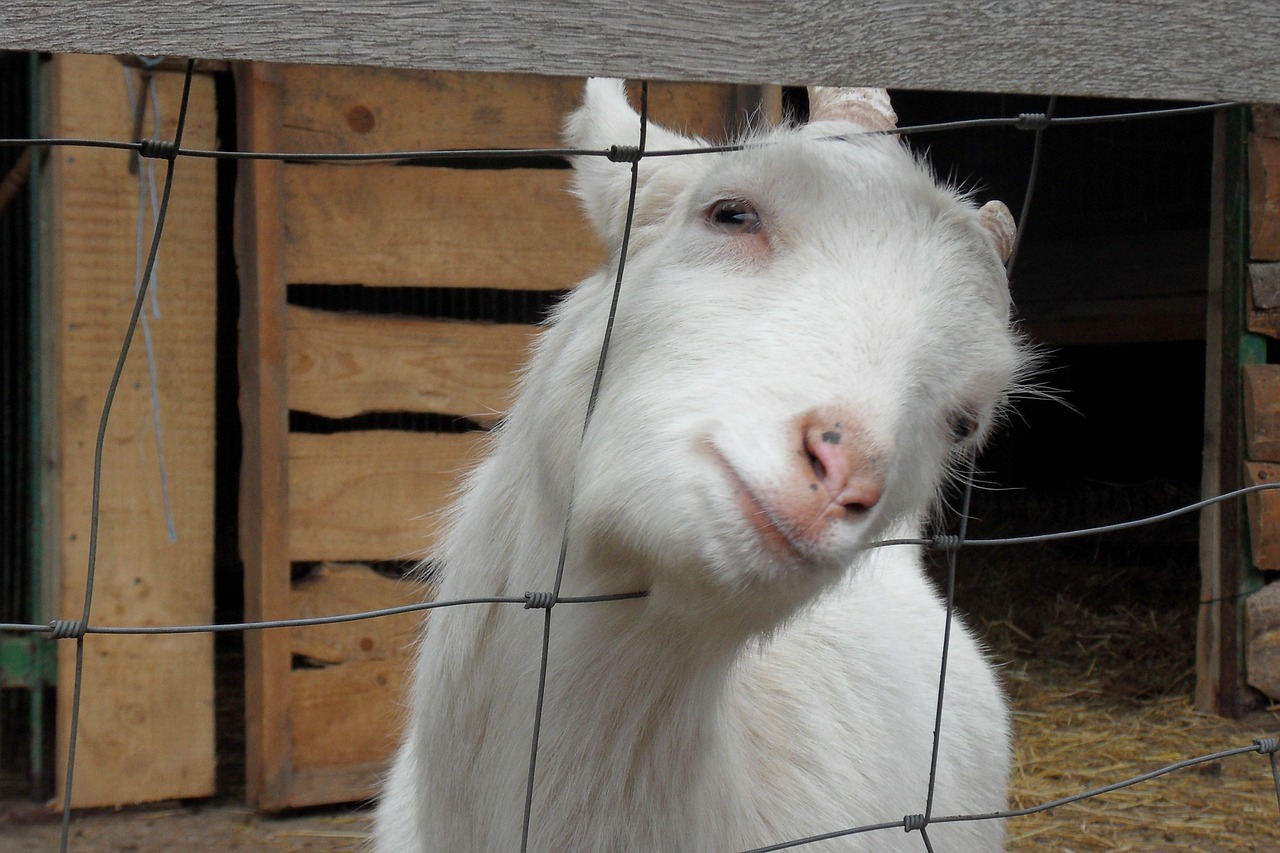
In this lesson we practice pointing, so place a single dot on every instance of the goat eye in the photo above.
(963, 425)
(733, 216)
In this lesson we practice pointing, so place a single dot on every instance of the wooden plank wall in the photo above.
(1262, 403)
(322, 508)
(146, 719)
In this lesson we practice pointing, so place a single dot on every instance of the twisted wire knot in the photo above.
(161, 149)
(624, 154)
(1267, 745)
(945, 542)
(914, 823)
(539, 600)
(1031, 121)
(68, 629)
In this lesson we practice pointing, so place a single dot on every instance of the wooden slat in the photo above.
(342, 365)
(1153, 49)
(1264, 197)
(264, 475)
(146, 721)
(1264, 516)
(355, 109)
(371, 495)
(365, 109)
(1262, 411)
(344, 724)
(714, 111)
(346, 693)
(388, 225)
(337, 588)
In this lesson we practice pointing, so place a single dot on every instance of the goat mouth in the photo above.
(771, 532)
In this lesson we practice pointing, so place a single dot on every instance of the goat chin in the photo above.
(812, 333)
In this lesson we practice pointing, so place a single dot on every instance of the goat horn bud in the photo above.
(999, 223)
(869, 108)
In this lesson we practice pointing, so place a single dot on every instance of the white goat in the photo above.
(811, 334)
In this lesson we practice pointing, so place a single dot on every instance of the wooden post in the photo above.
(1219, 687)
(264, 478)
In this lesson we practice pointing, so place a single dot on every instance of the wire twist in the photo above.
(946, 542)
(160, 149)
(68, 629)
(1032, 121)
(624, 153)
(539, 600)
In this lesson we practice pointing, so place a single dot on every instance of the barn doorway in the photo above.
(1111, 283)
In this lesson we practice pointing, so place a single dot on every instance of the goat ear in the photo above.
(998, 221)
(606, 119)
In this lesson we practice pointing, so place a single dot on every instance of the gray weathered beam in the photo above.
(1153, 49)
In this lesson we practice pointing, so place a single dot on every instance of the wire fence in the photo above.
(949, 544)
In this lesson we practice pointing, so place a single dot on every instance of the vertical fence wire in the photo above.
(594, 395)
(971, 472)
(138, 306)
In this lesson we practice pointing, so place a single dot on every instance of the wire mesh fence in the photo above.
(150, 150)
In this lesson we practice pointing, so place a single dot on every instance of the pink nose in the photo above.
(846, 465)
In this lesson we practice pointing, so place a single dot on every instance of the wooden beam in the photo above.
(1156, 49)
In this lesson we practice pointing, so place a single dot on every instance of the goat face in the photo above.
(811, 332)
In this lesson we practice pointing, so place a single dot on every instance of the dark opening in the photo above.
(1111, 282)
(228, 595)
(18, 410)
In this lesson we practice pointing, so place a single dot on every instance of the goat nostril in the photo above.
(819, 470)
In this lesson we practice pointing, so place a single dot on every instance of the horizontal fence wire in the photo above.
(941, 543)
(546, 601)
(618, 153)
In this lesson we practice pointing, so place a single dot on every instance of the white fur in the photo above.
(749, 699)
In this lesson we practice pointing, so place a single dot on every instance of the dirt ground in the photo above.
(216, 826)
(1096, 639)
